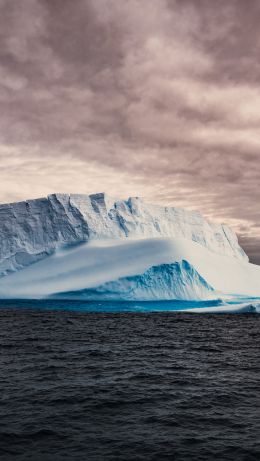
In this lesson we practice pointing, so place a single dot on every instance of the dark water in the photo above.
(128, 386)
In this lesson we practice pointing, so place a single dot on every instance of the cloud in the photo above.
(161, 102)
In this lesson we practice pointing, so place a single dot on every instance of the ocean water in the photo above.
(102, 382)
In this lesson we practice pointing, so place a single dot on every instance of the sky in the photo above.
(158, 99)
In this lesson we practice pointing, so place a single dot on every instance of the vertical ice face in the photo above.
(33, 229)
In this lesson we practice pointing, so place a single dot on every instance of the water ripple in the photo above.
(129, 386)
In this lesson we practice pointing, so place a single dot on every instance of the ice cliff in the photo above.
(33, 229)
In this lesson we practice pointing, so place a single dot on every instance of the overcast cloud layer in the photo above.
(154, 98)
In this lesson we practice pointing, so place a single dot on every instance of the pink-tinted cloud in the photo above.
(159, 99)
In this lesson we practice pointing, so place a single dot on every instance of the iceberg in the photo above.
(98, 247)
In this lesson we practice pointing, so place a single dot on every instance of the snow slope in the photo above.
(164, 282)
(96, 263)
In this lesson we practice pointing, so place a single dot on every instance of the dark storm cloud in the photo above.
(160, 99)
(252, 247)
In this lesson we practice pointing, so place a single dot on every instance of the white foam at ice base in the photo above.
(227, 309)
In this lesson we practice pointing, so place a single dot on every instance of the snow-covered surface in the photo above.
(98, 262)
(32, 230)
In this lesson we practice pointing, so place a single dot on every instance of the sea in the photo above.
(128, 381)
